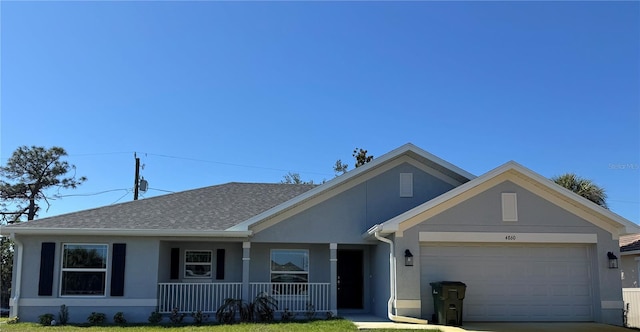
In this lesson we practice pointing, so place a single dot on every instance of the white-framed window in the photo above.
(291, 268)
(84, 269)
(197, 263)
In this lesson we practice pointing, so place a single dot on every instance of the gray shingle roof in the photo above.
(210, 208)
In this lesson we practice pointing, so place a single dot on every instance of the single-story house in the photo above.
(369, 241)
(629, 260)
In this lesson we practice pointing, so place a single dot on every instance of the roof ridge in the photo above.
(163, 196)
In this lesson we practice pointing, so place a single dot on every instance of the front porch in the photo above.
(208, 297)
(201, 275)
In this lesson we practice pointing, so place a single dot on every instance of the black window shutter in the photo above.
(117, 269)
(175, 263)
(220, 264)
(47, 258)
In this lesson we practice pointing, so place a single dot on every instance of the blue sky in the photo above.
(213, 92)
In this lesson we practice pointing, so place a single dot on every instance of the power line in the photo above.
(166, 191)
(99, 153)
(121, 197)
(199, 160)
(233, 164)
(96, 193)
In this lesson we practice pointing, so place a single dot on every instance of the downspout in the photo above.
(392, 284)
(18, 273)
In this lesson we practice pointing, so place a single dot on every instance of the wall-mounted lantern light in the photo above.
(613, 260)
(408, 258)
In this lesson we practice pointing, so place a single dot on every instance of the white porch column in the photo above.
(246, 259)
(333, 272)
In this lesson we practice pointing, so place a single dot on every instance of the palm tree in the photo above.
(583, 187)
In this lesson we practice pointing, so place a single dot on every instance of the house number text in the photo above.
(510, 237)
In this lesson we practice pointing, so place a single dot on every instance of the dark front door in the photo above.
(350, 279)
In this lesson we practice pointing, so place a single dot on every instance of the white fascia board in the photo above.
(123, 232)
(625, 226)
(371, 231)
(392, 224)
(630, 253)
(435, 159)
(376, 162)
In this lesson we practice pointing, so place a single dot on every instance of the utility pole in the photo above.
(137, 178)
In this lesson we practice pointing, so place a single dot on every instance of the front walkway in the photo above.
(370, 322)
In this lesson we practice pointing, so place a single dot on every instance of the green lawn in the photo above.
(333, 325)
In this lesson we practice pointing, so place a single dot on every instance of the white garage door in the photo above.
(525, 282)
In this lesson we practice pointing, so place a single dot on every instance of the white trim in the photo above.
(14, 302)
(408, 304)
(333, 246)
(503, 237)
(246, 245)
(628, 253)
(574, 203)
(88, 302)
(612, 304)
(105, 270)
(184, 264)
(408, 150)
(308, 267)
(5, 230)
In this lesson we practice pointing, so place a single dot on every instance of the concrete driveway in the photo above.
(370, 322)
(542, 327)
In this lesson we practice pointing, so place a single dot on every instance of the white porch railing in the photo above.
(631, 296)
(294, 297)
(191, 297)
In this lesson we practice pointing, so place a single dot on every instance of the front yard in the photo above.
(332, 325)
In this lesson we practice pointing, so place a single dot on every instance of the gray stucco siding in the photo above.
(344, 217)
(260, 263)
(140, 276)
(232, 260)
(140, 271)
(483, 213)
(79, 314)
(337, 220)
(383, 193)
(380, 279)
(629, 271)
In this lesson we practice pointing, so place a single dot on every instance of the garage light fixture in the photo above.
(613, 260)
(408, 258)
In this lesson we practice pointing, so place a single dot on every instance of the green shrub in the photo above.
(330, 315)
(199, 317)
(287, 315)
(118, 318)
(176, 317)
(46, 319)
(63, 315)
(96, 318)
(155, 317)
(310, 313)
(264, 307)
(226, 313)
